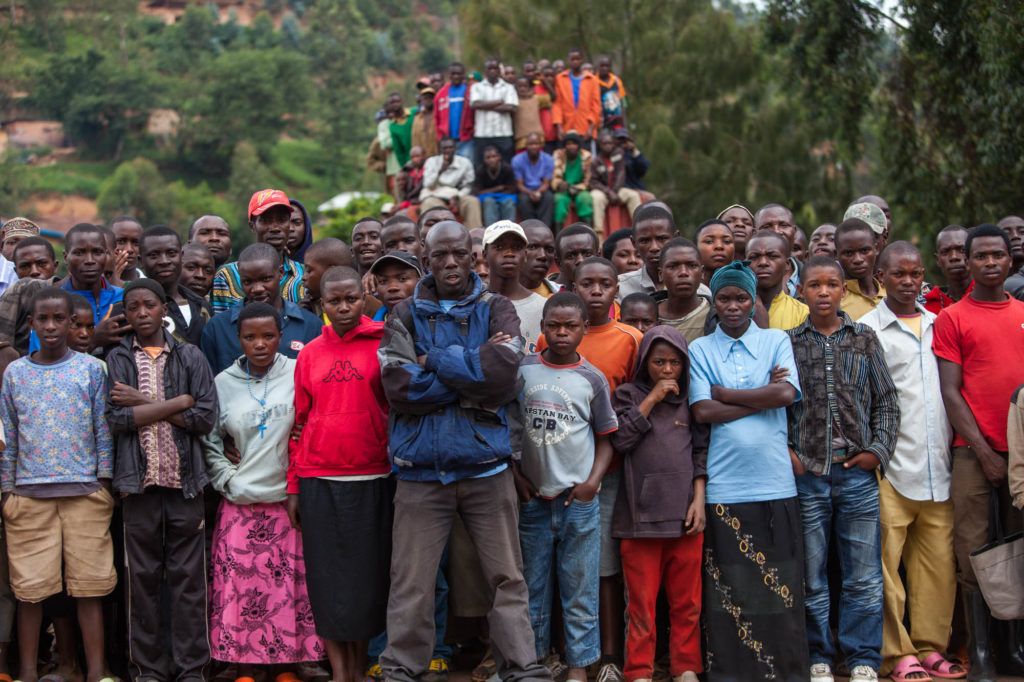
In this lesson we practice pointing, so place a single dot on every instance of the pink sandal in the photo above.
(909, 665)
(936, 665)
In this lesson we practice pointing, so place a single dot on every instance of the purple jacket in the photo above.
(662, 453)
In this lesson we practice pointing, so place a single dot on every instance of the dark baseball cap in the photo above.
(406, 259)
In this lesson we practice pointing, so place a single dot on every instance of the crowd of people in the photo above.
(549, 143)
(740, 454)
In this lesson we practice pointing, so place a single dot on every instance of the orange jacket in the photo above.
(589, 110)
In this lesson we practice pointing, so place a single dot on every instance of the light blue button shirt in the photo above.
(748, 459)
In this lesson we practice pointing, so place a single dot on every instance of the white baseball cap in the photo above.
(496, 230)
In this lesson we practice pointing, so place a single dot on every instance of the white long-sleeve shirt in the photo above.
(920, 468)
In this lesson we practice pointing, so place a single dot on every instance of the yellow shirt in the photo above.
(545, 289)
(856, 304)
(913, 323)
(786, 312)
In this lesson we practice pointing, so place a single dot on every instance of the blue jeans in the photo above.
(465, 149)
(563, 543)
(498, 207)
(441, 650)
(846, 499)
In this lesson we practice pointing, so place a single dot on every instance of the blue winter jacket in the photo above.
(450, 418)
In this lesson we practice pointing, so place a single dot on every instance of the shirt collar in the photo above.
(724, 342)
(136, 346)
(808, 328)
(853, 286)
(887, 318)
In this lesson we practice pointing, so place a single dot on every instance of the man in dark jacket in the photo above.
(449, 360)
(162, 401)
(160, 258)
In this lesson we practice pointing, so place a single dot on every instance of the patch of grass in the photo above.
(70, 178)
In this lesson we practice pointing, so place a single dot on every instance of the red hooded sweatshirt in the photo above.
(340, 403)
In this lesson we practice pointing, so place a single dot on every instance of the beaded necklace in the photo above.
(261, 401)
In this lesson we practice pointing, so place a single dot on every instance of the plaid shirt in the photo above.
(14, 309)
(227, 286)
(845, 382)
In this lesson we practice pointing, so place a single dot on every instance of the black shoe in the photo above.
(979, 643)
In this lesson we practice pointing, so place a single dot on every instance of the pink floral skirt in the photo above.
(259, 609)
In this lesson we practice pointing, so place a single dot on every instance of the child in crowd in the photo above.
(612, 348)
(197, 269)
(480, 266)
(396, 273)
(83, 325)
(659, 513)
(768, 253)
(567, 416)
(526, 119)
(843, 430)
(400, 233)
(715, 244)
(55, 474)
(653, 228)
(855, 250)
(951, 257)
(680, 269)
(162, 402)
(321, 256)
(621, 251)
(339, 494)
(639, 310)
(914, 497)
(259, 609)
(495, 187)
(823, 241)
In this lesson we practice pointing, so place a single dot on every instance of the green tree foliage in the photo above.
(338, 49)
(14, 185)
(340, 222)
(242, 95)
(950, 133)
(934, 91)
(136, 188)
(98, 100)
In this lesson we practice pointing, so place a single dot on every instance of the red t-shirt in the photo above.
(987, 341)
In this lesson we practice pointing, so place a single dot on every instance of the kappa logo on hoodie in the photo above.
(342, 371)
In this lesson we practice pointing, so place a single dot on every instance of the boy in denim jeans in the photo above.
(842, 431)
(567, 416)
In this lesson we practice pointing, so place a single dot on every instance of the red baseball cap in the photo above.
(265, 199)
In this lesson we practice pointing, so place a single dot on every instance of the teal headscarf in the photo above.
(735, 274)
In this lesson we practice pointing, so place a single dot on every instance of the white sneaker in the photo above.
(863, 673)
(610, 672)
(821, 672)
(688, 676)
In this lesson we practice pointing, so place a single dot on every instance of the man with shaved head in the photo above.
(213, 232)
(449, 362)
(778, 218)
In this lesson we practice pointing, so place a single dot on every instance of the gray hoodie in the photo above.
(261, 476)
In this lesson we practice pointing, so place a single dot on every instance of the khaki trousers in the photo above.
(469, 209)
(630, 197)
(921, 534)
(970, 492)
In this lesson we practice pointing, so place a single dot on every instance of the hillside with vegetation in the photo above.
(172, 108)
